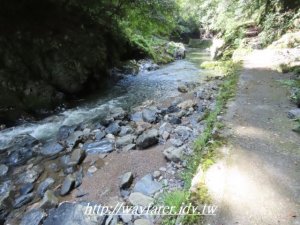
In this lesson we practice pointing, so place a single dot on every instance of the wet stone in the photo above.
(5, 199)
(74, 139)
(33, 217)
(22, 200)
(149, 115)
(78, 156)
(99, 135)
(114, 128)
(126, 130)
(137, 117)
(30, 176)
(78, 177)
(26, 188)
(49, 200)
(104, 146)
(51, 149)
(3, 170)
(19, 156)
(44, 186)
(64, 132)
(67, 185)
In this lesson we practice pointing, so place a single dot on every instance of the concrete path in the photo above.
(257, 181)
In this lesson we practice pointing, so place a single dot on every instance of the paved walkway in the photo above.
(257, 182)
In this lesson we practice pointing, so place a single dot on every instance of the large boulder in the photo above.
(174, 154)
(147, 185)
(125, 140)
(33, 217)
(147, 139)
(74, 214)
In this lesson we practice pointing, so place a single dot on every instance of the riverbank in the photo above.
(87, 162)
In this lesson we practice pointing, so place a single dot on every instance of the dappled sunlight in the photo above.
(241, 188)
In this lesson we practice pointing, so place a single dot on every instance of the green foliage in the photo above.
(205, 141)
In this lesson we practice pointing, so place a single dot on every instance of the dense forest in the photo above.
(149, 104)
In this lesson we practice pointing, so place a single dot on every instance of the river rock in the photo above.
(139, 199)
(30, 176)
(74, 138)
(51, 149)
(125, 140)
(183, 88)
(165, 135)
(183, 132)
(99, 147)
(98, 134)
(24, 140)
(49, 200)
(174, 119)
(147, 185)
(74, 214)
(92, 169)
(117, 113)
(126, 130)
(114, 128)
(64, 132)
(137, 117)
(129, 147)
(126, 218)
(141, 127)
(26, 188)
(44, 186)
(126, 180)
(172, 109)
(147, 139)
(19, 156)
(33, 217)
(174, 154)
(149, 115)
(156, 174)
(78, 177)
(142, 222)
(294, 114)
(5, 199)
(176, 142)
(78, 156)
(165, 127)
(22, 200)
(67, 185)
(3, 170)
(186, 104)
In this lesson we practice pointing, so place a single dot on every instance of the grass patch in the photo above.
(206, 144)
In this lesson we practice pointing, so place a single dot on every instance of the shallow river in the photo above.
(127, 93)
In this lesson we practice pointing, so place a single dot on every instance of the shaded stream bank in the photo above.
(145, 125)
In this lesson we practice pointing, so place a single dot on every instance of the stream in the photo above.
(127, 93)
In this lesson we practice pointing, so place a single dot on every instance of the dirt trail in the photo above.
(257, 182)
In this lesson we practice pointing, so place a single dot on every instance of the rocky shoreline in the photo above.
(36, 178)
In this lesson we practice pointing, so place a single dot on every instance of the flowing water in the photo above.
(127, 93)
